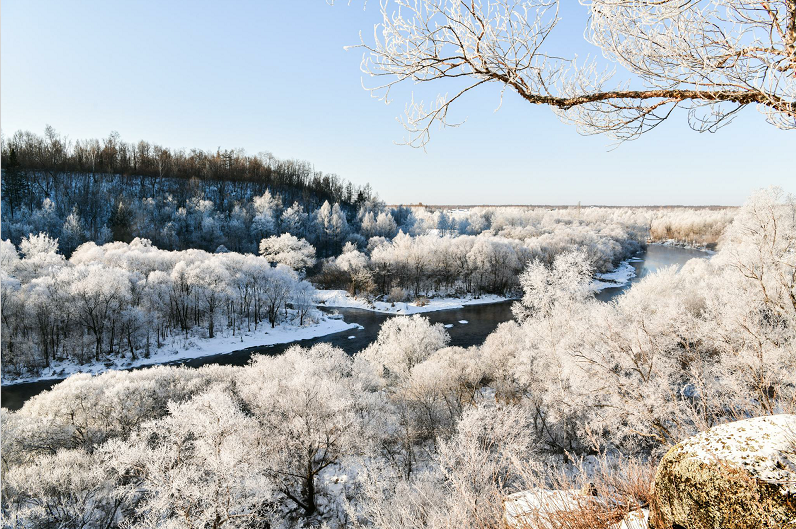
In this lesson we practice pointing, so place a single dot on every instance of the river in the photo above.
(481, 321)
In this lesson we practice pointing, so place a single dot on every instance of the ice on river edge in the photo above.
(179, 348)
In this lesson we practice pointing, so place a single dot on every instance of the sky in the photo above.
(274, 76)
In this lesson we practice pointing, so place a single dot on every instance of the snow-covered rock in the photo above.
(740, 474)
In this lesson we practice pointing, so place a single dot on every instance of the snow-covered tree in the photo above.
(288, 250)
(566, 281)
(402, 343)
(201, 465)
(305, 400)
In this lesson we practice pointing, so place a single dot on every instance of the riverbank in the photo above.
(342, 299)
(618, 277)
(709, 248)
(179, 348)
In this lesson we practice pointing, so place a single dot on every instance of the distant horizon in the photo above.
(650, 206)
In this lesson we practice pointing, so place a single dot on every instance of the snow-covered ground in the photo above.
(342, 299)
(620, 276)
(180, 348)
(539, 507)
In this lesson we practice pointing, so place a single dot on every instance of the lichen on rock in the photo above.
(736, 475)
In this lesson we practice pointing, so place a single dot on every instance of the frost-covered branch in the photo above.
(710, 57)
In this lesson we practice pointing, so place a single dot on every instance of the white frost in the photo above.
(537, 508)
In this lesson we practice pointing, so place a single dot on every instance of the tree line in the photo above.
(37, 167)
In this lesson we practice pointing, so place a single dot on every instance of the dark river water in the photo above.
(481, 321)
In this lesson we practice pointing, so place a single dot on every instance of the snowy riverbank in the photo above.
(618, 277)
(342, 299)
(688, 245)
(181, 348)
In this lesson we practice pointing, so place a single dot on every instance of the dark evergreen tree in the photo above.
(16, 186)
(121, 222)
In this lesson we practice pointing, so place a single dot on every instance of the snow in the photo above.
(764, 446)
(693, 245)
(448, 325)
(520, 508)
(351, 337)
(620, 276)
(464, 322)
(635, 520)
(342, 299)
(180, 348)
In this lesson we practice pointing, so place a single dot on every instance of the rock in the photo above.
(737, 475)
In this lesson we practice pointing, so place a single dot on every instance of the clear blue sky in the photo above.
(273, 76)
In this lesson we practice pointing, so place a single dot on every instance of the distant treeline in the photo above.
(32, 165)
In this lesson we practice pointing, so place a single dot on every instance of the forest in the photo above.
(107, 190)
(410, 431)
(164, 273)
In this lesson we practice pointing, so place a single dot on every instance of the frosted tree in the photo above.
(67, 489)
(278, 285)
(39, 257)
(711, 58)
(369, 227)
(45, 219)
(288, 250)
(72, 232)
(758, 247)
(355, 264)
(404, 342)
(464, 487)
(305, 401)
(209, 281)
(9, 257)
(200, 466)
(338, 226)
(266, 213)
(323, 225)
(99, 292)
(294, 220)
(385, 225)
(545, 288)
(302, 298)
